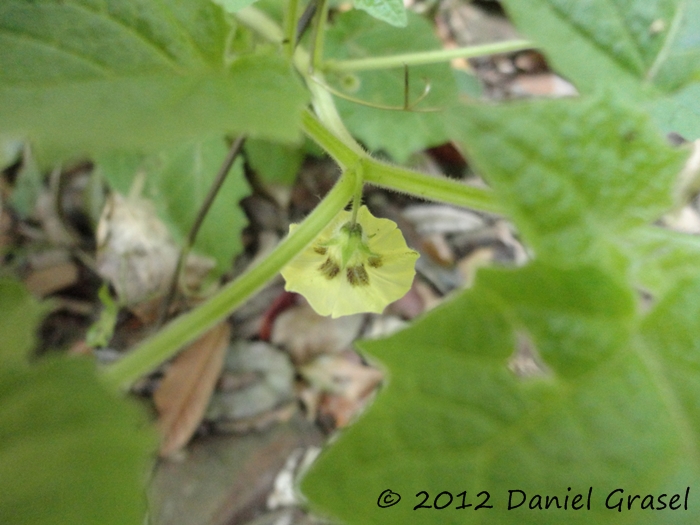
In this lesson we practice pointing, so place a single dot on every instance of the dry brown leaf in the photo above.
(183, 395)
(409, 306)
(470, 24)
(51, 221)
(427, 294)
(45, 281)
(437, 248)
(441, 218)
(469, 265)
(344, 384)
(543, 84)
(80, 348)
(5, 229)
(342, 375)
(305, 334)
(531, 61)
(338, 411)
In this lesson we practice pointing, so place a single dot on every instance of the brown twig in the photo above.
(305, 20)
(233, 153)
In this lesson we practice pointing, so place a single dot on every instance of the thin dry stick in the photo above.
(305, 20)
(233, 153)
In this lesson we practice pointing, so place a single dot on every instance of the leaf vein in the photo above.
(590, 38)
(154, 46)
(668, 42)
(38, 42)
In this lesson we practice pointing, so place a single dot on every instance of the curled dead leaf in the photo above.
(134, 249)
(344, 385)
(137, 254)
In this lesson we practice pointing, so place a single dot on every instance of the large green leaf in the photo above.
(275, 163)
(577, 318)
(9, 151)
(390, 11)
(70, 451)
(29, 185)
(643, 49)
(679, 111)
(582, 180)
(86, 76)
(600, 42)
(660, 258)
(671, 334)
(180, 183)
(399, 133)
(177, 181)
(20, 317)
(575, 176)
(607, 414)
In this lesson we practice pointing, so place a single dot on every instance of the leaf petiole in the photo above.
(425, 57)
(319, 34)
(397, 178)
(406, 106)
(290, 27)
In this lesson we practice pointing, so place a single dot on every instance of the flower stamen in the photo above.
(329, 268)
(357, 275)
(375, 261)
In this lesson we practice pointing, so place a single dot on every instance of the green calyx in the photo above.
(348, 252)
(355, 251)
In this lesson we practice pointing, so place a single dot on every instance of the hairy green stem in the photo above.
(260, 23)
(325, 108)
(397, 178)
(188, 327)
(335, 147)
(266, 27)
(290, 27)
(357, 197)
(425, 57)
(424, 186)
(319, 35)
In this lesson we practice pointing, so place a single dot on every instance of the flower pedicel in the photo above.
(353, 268)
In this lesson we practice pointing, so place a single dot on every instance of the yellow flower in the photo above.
(351, 269)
